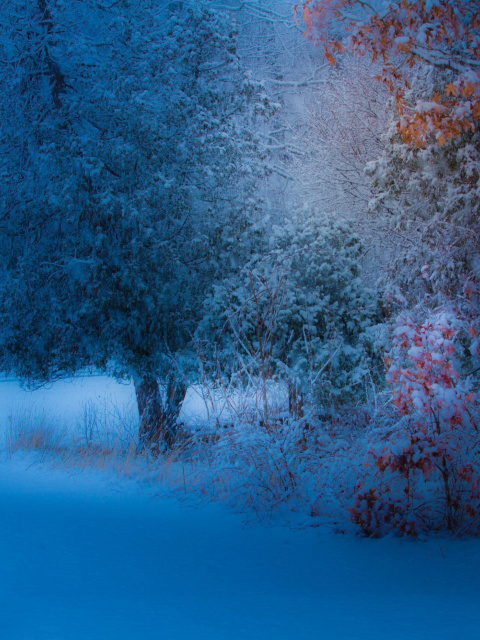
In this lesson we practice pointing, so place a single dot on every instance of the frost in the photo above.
(424, 106)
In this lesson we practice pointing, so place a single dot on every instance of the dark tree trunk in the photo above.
(150, 409)
(176, 392)
(295, 401)
(158, 420)
(57, 78)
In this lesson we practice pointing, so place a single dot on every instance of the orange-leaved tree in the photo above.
(441, 34)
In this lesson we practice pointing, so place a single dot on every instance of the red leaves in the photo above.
(372, 510)
(329, 56)
(422, 374)
(426, 475)
(419, 453)
(306, 15)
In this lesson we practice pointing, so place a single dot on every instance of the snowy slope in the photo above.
(83, 557)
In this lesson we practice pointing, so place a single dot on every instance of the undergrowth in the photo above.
(367, 469)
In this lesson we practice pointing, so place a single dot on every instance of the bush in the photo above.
(426, 476)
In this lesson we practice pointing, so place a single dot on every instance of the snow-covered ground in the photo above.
(84, 556)
(87, 558)
(68, 401)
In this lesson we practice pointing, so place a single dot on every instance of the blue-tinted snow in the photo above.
(84, 556)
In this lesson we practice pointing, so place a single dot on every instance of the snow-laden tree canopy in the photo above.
(129, 166)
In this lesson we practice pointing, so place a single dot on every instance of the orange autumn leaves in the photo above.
(440, 34)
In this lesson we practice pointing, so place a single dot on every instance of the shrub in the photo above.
(427, 475)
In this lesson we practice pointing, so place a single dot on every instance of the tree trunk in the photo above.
(176, 392)
(448, 494)
(150, 410)
(158, 420)
(295, 401)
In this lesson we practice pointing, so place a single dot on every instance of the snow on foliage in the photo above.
(429, 197)
(426, 475)
(301, 313)
(402, 34)
(131, 162)
(134, 139)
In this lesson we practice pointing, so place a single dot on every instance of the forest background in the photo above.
(193, 193)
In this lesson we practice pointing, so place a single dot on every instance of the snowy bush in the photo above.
(426, 474)
(300, 313)
(262, 471)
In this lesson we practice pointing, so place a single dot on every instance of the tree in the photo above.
(301, 314)
(130, 165)
(270, 44)
(425, 181)
(424, 475)
(441, 34)
(429, 197)
(344, 131)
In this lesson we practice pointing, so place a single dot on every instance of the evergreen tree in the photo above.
(303, 312)
(129, 171)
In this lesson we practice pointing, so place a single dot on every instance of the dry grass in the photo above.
(36, 431)
(261, 470)
(104, 439)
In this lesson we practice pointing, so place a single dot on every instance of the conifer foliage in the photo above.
(128, 185)
(301, 312)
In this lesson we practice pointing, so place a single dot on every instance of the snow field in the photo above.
(94, 554)
(90, 406)
(87, 557)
